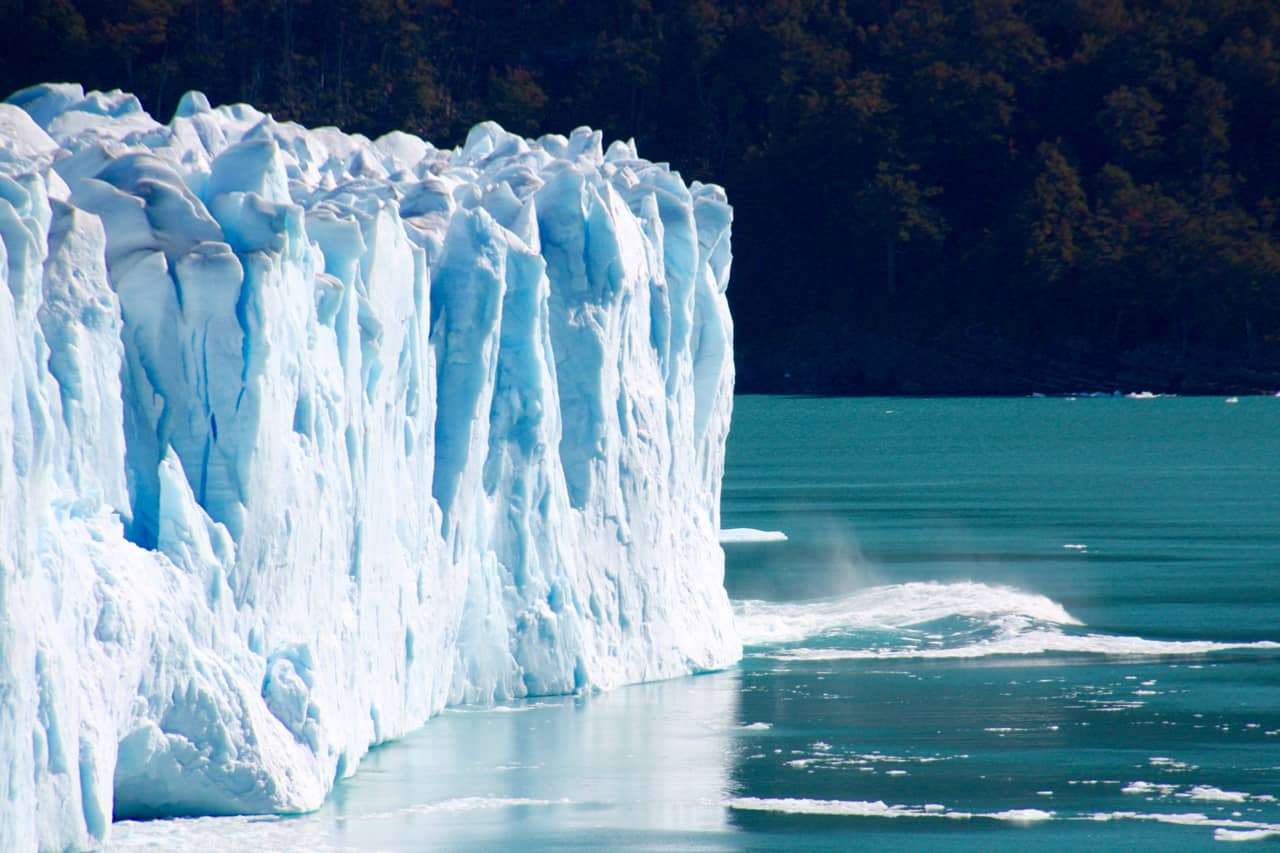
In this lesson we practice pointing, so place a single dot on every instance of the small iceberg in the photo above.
(739, 535)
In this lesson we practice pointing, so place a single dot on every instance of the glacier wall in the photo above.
(304, 436)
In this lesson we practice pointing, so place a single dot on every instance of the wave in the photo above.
(1225, 829)
(1030, 643)
(939, 620)
(890, 607)
(878, 808)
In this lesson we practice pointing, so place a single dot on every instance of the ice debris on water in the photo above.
(304, 436)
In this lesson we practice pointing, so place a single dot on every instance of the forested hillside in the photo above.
(981, 196)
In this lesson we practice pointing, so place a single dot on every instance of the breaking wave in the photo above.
(939, 620)
(1225, 829)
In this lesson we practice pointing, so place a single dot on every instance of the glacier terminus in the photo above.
(304, 437)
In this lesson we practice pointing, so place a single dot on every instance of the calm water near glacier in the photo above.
(1018, 623)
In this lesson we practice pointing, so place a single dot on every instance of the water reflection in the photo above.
(652, 757)
(643, 767)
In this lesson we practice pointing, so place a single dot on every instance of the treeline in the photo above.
(931, 196)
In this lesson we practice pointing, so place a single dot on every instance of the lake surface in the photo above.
(1030, 624)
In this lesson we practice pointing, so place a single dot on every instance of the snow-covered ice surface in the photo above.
(304, 436)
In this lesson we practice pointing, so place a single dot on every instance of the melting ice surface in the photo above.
(307, 436)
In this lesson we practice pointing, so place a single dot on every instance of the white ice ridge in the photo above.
(303, 436)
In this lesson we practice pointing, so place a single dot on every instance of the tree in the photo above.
(1055, 218)
(894, 208)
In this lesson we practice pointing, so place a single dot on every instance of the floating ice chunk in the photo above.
(1141, 787)
(738, 535)
(1214, 794)
(1224, 834)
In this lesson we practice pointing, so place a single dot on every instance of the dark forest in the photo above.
(986, 196)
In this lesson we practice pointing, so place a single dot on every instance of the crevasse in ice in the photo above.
(303, 437)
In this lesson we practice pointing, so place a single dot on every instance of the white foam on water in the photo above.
(878, 808)
(1141, 787)
(890, 607)
(1182, 819)
(1016, 622)
(825, 760)
(1032, 643)
(1019, 815)
(738, 535)
(1225, 829)
(1213, 794)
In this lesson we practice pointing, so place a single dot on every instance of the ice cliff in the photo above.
(304, 436)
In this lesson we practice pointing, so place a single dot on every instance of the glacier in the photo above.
(305, 436)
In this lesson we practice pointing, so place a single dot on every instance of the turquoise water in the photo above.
(1024, 624)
